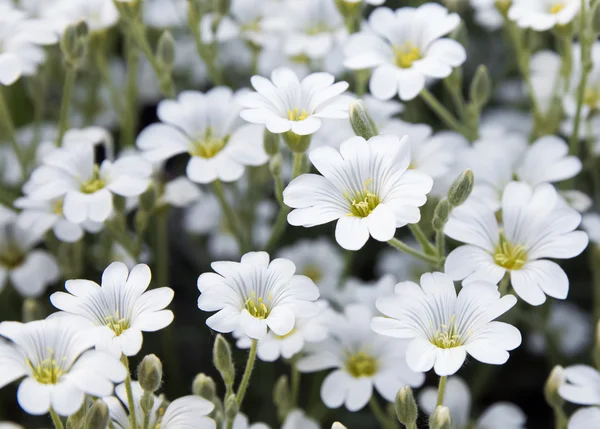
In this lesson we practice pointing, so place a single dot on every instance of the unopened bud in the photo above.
(441, 214)
(147, 402)
(361, 122)
(204, 386)
(148, 199)
(296, 143)
(77, 420)
(454, 81)
(406, 407)
(271, 142)
(275, 164)
(32, 310)
(338, 425)
(282, 396)
(150, 373)
(461, 188)
(595, 12)
(97, 416)
(74, 43)
(223, 361)
(165, 50)
(553, 383)
(231, 407)
(141, 221)
(440, 419)
(503, 6)
(481, 87)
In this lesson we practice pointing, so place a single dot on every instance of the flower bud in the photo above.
(503, 6)
(150, 373)
(282, 396)
(361, 122)
(481, 87)
(296, 143)
(223, 361)
(141, 221)
(165, 50)
(441, 214)
(440, 419)
(32, 310)
(271, 142)
(554, 381)
(74, 43)
(97, 416)
(338, 425)
(461, 188)
(275, 164)
(231, 407)
(204, 386)
(77, 420)
(406, 407)
(147, 402)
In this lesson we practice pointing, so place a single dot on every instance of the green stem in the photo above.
(295, 385)
(560, 419)
(441, 391)
(378, 412)
(204, 51)
(595, 257)
(504, 284)
(7, 125)
(129, 392)
(131, 92)
(403, 247)
(147, 419)
(65, 102)
(229, 214)
(423, 240)
(56, 419)
(445, 115)
(440, 242)
(247, 373)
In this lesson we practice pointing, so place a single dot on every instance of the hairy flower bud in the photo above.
(204, 386)
(275, 164)
(74, 43)
(97, 416)
(223, 361)
(461, 188)
(440, 419)
(361, 122)
(271, 142)
(481, 87)
(441, 214)
(231, 407)
(554, 381)
(150, 373)
(406, 407)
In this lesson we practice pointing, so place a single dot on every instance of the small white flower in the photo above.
(182, 413)
(98, 14)
(581, 385)
(488, 12)
(591, 225)
(119, 310)
(30, 271)
(241, 422)
(285, 103)
(542, 15)
(207, 127)
(180, 192)
(297, 419)
(576, 200)
(59, 368)
(366, 187)
(256, 295)
(445, 327)
(585, 418)
(545, 79)
(535, 227)
(361, 361)
(502, 415)
(403, 60)
(165, 13)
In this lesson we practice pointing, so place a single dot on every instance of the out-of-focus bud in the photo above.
(503, 6)
(440, 419)
(296, 143)
(32, 310)
(97, 416)
(74, 43)
(481, 87)
(271, 142)
(231, 407)
(554, 381)
(204, 386)
(150, 373)
(223, 361)
(338, 425)
(406, 407)
(77, 420)
(275, 164)
(165, 50)
(361, 122)
(282, 396)
(441, 214)
(461, 188)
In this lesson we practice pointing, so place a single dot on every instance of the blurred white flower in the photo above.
(576, 200)
(368, 292)
(591, 224)
(405, 47)
(98, 14)
(366, 187)
(581, 385)
(585, 418)
(591, 99)
(207, 127)
(546, 80)
(165, 13)
(502, 415)
(297, 419)
(542, 15)
(256, 295)
(58, 368)
(445, 327)
(361, 361)
(535, 227)
(285, 103)
(241, 422)
(487, 13)
(180, 192)
(400, 265)
(118, 311)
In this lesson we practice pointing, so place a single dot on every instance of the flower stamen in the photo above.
(256, 307)
(46, 372)
(361, 364)
(364, 202)
(297, 115)
(94, 184)
(117, 324)
(406, 55)
(508, 255)
(447, 336)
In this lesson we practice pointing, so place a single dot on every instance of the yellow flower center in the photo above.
(117, 324)
(46, 372)
(556, 7)
(508, 255)
(591, 97)
(361, 364)
(94, 184)
(447, 336)
(406, 55)
(208, 145)
(256, 306)
(364, 202)
(57, 207)
(313, 272)
(297, 115)
(11, 257)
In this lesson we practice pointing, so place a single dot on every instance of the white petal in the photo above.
(351, 232)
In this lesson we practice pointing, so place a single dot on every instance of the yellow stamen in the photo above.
(256, 307)
(361, 364)
(313, 272)
(46, 372)
(557, 7)
(117, 324)
(94, 184)
(364, 202)
(508, 255)
(297, 115)
(406, 55)
(447, 336)
(208, 145)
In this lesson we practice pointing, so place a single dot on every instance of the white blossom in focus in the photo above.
(542, 15)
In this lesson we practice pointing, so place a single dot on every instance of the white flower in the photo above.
(241, 422)
(585, 418)
(535, 227)
(403, 60)
(366, 187)
(545, 79)
(371, 2)
(87, 188)
(541, 15)
(297, 419)
(59, 369)
(183, 413)
(306, 330)
(576, 200)
(581, 385)
(21, 42)
(119, 310)
(591, 225)
(502, 415)
(30, 271)
(10, 425)
(207, 127)
(361, 361)
(288, 104)
(445, 327)
(165, 13)
(487, 13)
(256, 295)
(568, 326)
(98, 14)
